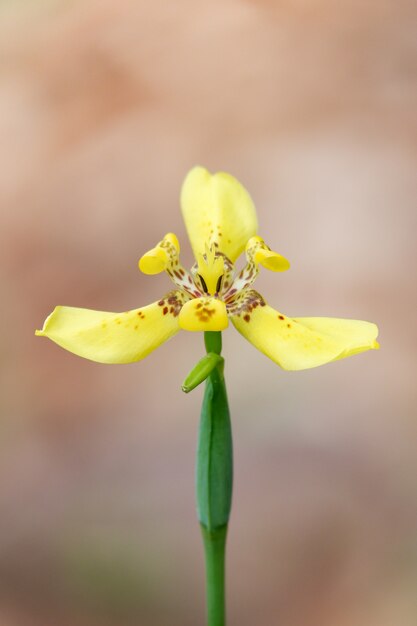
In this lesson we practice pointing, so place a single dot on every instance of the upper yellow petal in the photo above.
(302, 343)
(217, 210)
(114, 337)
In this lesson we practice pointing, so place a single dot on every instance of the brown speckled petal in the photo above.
(115, 337)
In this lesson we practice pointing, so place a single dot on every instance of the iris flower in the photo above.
(221, 222)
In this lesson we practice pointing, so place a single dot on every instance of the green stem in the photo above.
(214, 478)
(214, 552)
(213, 342)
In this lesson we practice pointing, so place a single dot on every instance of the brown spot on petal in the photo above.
(165, 311)
(246, 318)
(281, 317)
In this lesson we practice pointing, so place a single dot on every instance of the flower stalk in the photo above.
(214, 481)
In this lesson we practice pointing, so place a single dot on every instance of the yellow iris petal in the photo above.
(114, 337)
(204, 314)
(357, 336)
(302, 343)
(217, 210)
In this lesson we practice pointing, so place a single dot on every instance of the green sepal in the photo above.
(201, 370)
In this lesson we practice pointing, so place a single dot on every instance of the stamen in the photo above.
(219, 283)
(203, 283)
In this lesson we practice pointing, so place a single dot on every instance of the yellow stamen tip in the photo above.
(253, 241)
(154, 262)
(271, 260)
(172, 239)
(260, 253)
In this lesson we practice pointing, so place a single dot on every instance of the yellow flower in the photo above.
(221, 223)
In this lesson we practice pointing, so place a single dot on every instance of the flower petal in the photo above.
(357, 336)
(114, 337)
(302, 343)
(217, 210)
(204, 314)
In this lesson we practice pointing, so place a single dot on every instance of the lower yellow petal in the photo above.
(203, 314)
(302, 343)
(114, 337)
(356, 335)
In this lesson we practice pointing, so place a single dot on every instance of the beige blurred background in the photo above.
(104, 106)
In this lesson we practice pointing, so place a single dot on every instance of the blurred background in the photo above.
(104, 107)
